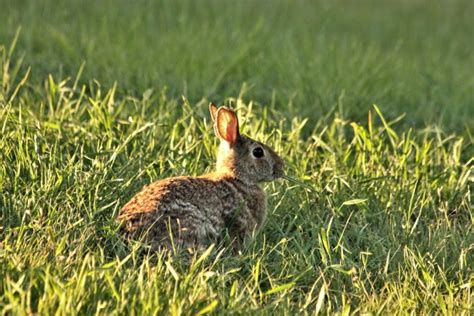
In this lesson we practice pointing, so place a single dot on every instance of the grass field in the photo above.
(371, 103)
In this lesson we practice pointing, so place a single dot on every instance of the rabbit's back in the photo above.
(194, 210)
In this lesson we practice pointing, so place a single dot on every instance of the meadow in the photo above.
(370, 103)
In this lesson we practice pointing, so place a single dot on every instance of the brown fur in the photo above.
(196, 211)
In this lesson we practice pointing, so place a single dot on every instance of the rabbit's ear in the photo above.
(227, 125)
(213, 109)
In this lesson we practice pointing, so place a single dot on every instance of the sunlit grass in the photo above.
(375, 218)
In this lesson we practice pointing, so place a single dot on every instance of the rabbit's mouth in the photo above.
(278, 173)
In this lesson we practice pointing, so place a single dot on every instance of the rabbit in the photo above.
(193, 212)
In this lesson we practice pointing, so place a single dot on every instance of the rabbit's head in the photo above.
(243, 157)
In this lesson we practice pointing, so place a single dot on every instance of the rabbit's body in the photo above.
(196, 211)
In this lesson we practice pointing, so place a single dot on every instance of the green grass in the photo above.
(380, 219)
(306, 57)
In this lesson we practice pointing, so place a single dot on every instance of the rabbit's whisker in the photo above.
(299, 182)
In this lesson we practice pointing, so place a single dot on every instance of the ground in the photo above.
(370, 103)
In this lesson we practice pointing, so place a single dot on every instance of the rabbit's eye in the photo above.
(257, 152)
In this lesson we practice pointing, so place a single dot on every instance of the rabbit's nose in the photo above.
(280, 164)
(278, 169)
(278, 173)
